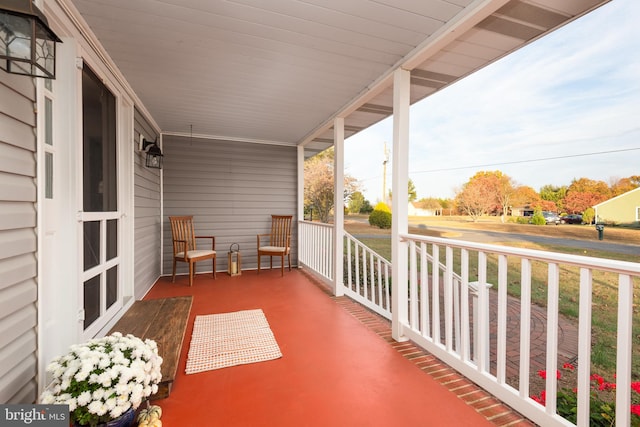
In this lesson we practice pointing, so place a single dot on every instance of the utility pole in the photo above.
(384, 173)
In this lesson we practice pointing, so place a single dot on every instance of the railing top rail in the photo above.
(318, 224)
(615, 266)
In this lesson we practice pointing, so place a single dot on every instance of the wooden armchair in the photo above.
(278, 242)
(184, 246)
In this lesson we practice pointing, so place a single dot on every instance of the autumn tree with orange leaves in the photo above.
(486, 192)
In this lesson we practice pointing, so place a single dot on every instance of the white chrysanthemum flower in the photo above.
(84, 398)
(110, 403)
(82, 375)
(97, 407)
(122, 389)
(98, 394)
(116, 412)
(104, 379)
(104, 362)
(47, 398)
(73, 404)
(64, 397)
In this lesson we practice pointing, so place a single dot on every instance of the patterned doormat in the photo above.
(229, 339)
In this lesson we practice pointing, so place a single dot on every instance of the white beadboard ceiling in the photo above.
(280, 71)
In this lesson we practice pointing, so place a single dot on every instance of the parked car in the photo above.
(571, 219)
(551, 217)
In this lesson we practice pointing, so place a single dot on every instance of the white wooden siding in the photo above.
(147, 214)
(18, 244)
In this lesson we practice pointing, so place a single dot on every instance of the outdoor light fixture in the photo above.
(154, 154)
(27, 44)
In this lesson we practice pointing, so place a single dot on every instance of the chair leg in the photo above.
(282, 265)
(191, 268)
(289, 256)
(214, 267)
(258, 263)
(270, 262)
(173, 280)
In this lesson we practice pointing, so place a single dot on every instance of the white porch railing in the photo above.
(315, 247)
(447, 277)
(367, 276)
(424, 324)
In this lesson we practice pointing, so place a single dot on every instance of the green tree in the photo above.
(366, 207)
(411, 191)
(356, 202)
(413, 195)
(554, 194)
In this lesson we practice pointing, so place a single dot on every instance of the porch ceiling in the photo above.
(281, 70)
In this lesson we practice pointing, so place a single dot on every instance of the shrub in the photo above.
(588, 215)
(381, 216)
(538, 218)
(366, 207)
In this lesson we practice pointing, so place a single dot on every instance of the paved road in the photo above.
(483, 236)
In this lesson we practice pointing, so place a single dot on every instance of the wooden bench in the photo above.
(163, 320)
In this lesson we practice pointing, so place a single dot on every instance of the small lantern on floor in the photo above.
(234, 265)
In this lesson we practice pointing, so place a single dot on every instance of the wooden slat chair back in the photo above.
(279, 241)
(184, 246)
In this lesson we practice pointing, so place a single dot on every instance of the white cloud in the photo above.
(575, 91)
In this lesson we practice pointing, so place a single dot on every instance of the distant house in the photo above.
(417, 209)
(521, 211)
(622, 209)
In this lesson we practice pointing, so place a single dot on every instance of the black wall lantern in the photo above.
(27, 44)
(154, 154)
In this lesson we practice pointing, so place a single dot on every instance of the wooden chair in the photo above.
(279, 241)
(184, 246)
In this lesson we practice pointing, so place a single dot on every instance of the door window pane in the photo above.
(91, 300)
(91, 244)
(112, 286)
(48, 175)
(99, 145)
(112, 238)
(48, 121)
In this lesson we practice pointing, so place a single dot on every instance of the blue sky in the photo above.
(574, 92)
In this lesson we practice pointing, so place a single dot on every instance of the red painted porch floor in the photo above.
(340, 366)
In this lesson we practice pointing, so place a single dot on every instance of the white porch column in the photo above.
(300, 194)
(400, 201)
(338, 206)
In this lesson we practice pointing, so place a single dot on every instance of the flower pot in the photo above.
(124, 420)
